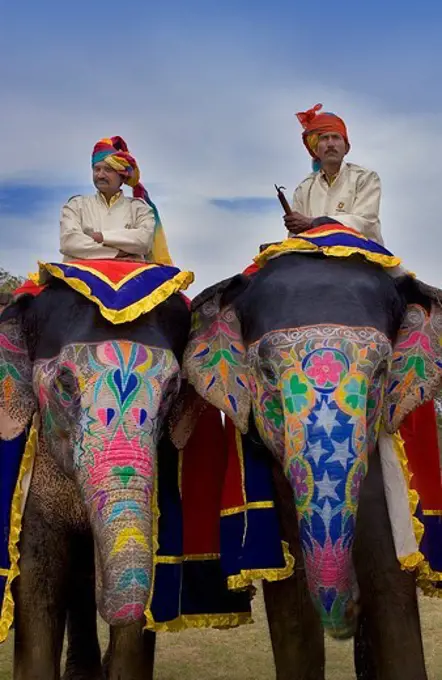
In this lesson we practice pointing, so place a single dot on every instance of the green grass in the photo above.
(245, 653)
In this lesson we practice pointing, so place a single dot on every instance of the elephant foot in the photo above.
(83, 674)
(130, 654)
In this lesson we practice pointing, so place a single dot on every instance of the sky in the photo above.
(205, 94)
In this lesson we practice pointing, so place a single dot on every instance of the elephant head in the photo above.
(103, 393)
(317, 350)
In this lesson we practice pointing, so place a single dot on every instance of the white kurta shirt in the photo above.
(127, 225)
(353, 198)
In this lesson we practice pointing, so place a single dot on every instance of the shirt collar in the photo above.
(113, 199)
(331, 180)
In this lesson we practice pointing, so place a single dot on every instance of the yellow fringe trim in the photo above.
(179, 559)
(297, 244)
(425, 576)
(7, 614)
(179, 282)
(186, 621)
(150, 621)
(253, 505)
(246, 577)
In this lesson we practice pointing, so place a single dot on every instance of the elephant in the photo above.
(102, 394)
(301, 355)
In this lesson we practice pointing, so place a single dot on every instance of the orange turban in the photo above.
(316, 124)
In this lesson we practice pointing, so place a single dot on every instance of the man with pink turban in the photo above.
(344, 191)
(108, 224)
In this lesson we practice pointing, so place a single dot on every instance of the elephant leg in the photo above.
(363, 651)
(40, 598)
(388, 594)
(295, 630)
(83, 658)
(131, 653)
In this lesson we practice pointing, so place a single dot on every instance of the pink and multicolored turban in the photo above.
(114, 151)
(316, 124)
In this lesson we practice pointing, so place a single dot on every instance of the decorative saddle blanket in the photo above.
(122, 290)
(333, 239)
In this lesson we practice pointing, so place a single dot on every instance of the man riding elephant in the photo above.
(343, 191)
(110, 225)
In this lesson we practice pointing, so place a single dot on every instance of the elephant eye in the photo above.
(269, 374)
(65, 381)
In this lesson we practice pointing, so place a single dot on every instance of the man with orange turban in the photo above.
(343, 191)
(108, 224)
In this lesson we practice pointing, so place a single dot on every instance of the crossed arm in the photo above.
(76, 244)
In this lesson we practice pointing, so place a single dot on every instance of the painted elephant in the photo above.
(306, 348)
(102, 393)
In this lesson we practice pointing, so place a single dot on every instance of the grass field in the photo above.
(245, 653)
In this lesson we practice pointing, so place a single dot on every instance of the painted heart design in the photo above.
(124, 473)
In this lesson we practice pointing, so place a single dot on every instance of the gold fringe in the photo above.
(179, 282)
(185, 621)
(179, 559)
(425, 576)
(246, 577)
(253, 505)
(7, 614)
(150, 621)
(297, 244)
(35, 278)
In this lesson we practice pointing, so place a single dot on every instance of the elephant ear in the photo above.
(416, 370)
(17, 400)
(215, 357)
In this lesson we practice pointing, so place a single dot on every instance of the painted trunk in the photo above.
(116, 395)
(317, 399)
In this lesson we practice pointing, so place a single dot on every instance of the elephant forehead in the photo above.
(82, 364)
(295, 344)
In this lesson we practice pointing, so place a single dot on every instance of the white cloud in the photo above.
(217, 138)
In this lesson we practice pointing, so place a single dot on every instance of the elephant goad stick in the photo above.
(287, 210)
(282, 199)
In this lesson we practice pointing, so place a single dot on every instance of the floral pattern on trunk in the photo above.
(328, 383)
(112, 398)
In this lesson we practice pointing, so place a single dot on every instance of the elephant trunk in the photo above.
(117, 486)
(325, 463)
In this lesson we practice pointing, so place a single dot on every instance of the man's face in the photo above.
(106, 180)
(331, 147)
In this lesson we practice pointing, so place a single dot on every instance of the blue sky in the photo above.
(204, 93)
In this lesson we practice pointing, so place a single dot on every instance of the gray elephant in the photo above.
(101, 393)
(317, 353)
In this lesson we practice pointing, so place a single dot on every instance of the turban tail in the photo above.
(316, 124)
(114, 152)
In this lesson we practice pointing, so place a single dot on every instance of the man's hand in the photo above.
(297, 223)
(97, 236)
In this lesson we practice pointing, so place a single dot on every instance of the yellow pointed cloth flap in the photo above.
(333, 239)
(122, 290)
